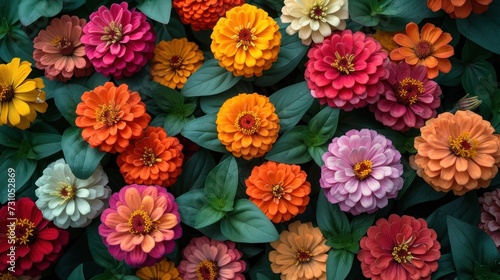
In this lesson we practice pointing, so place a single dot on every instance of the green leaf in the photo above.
(484, 272)
(418, 192)
(10, 136)
(99, 251)
(81, 158)
(474, 72)
(71, 5)
(212, 104)
(331, 220)
(208, 215)
(165, 97)
(16, 44)
(209, 79)
(156, 9)
(290, 147)
(322, 127)
(317, 153)
(77, 273)
(8, 10)
(95, 80)
(31, 10)
(195, 172)
(472, 52)
(203, 131)
(453, 78)
(190, 204)
(23, 169)
(45, 144)
(174, 123)
(168, 32)
(66, 98)
(338, 264)
(409, 175)
(221, 185)
(360, 225)
(445, 266)
(248, 224)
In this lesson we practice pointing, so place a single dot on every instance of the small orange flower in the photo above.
(155, 159)
(459, 8)
(279, 190)
(164, 270)
(111, 116)
(203, 14)
(385, 38)
(428, 48)
(247, 125)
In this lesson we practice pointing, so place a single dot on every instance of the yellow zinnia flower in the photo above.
(164, 270)
(20, 98)
(246, 41)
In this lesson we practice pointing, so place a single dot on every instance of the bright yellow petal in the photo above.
(14, 117)
(27, 86)
(21, 107)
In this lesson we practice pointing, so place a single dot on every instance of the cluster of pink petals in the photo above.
(381, 182)
(409, 98)
(490, 215)
(118, 41)
(359, 86)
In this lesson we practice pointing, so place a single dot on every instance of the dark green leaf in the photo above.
(165, 97)
(190, 204)
(16, 44)
(360, 225)
(209, 79)
(45, 144)
(168, 32)
(194, 172)
(445, 266)
(156, 10)
(211, 104)
(484, 272)
(331, 220)
(203, 131)
(67, 97)
(408, 177)
(474, 72)
(317, 153)
(472, 52)
(21, 168)
(338, 264)
(418, 192)
(97, 79)
(221, 185)
(99, 251)
(290, 147)
(322, 127)
(207, 215)
(77, 273)
(452, 78)
(31, 10)
(71, 5)
(174, 123)
(11, 137)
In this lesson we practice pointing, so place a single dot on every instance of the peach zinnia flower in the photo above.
(203, 14)
(155, 159)
(110, 116)
(279, 190)
(459, 8)
(457, 152)
(428, 48)
(300, 253)
(174, 61)
(246, 41)
(247, 125)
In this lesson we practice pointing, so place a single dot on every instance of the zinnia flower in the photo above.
(204, 258)
(362, 171)
(490, 215)
(247, 125)
(174, 61)
(164, 270)
(461, 8)
(409, 99)
(457, 152)
(9, 276)
(313, 19)
(246, 41)
(69, 201)
(345, 70)
(118, 41)
(37, 242)
(280, 190)
(399, 248)
(428, 48)
(155, 159)
(385, 38)
(141, 224)
(203, 14)
(20, 98)
(300, 253)
(110, 116)
(59, 51)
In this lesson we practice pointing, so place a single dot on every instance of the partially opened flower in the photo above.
(203, 14)
(361, 172)
(409, 99)
(118, 41)
(399, 248)
(428, 47)
(140, 225)
(490, 215)
(314, 20)
(155, 159)
(20, 98)
(280, 190)
(163, 270)
(205, 258)
(300, 253)
(246, 41)
(59, 51)
(247, 125)
(111, 116)
(346, 69)
(69, 201)
(37, 241)
(461, 8)
(457, 152)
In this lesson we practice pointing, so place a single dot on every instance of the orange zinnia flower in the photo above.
(203, 14)
(110, 116)
(428, 48)
(246, 41)
(247, 125)
(459, 8)
(457, 152)
(279, 190)
(155, 159)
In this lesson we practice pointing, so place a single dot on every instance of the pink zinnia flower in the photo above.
(409, 99)
(399, 248)
(362, 171)
(59, 51)
(118, 41)
(141, 224)
(204, 258)
(490, 215)
(345, 70)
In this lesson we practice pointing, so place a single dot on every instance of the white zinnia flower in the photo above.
(314, 19)
(69, 201)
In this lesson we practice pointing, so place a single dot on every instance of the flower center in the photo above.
(113, 33)
(244, 36)
(302, 256)
(463, 146)
(149, 158)
(207, 270)
(66, 191)
(140, 223)
(423, 49)
(408, 91)
(401, 254)
(175, 62)
(317, 11)
(344, 63)
(24, 231)
(362, 169)
(107, 114)
(6, 93)
(247, 122)
(63, 44)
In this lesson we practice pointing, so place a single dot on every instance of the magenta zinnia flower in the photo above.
(345, 70)
(204, 258)
(409, 98)
(141, 224)
(59, 51)
(362, 171)
(490, 215)
(118, 41)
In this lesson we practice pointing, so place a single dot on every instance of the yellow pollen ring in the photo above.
(463, 146)
(401, 254)
(344, 63)
(247, 128)
(362, 169)
(244, 36)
